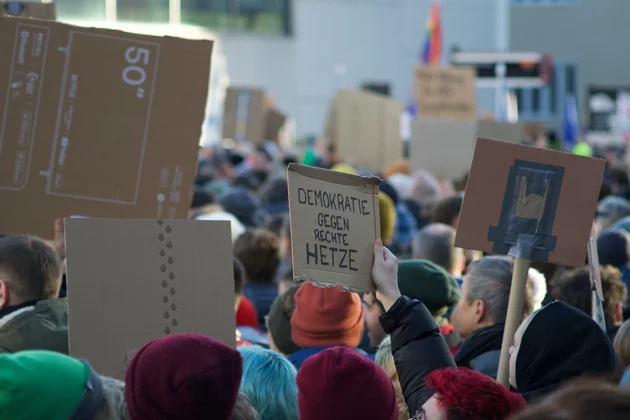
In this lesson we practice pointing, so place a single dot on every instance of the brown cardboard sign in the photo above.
(83, 135)
(273, 124)
(334, 223)
(244, 114)
(443, 147)
(445, 92)
(504, 131)
(364, 128)
(530, 203)
(45, 11)
(134, 280)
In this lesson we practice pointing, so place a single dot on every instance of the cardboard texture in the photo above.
(244, 114)
(364, 128)
(45, 11)
(446, 92)
(273, 124)
(504, 131)
(84, 135)
(568, 184)
(334, 223)
(443, 147)
(134, 280)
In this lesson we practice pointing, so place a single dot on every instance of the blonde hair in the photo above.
(113, 406)
(622, 344)
(385, 360)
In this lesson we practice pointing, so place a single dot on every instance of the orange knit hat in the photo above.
(326, 317)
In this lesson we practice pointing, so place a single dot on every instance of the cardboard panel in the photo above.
(273, 124)
(443, 147)
(504, 131)
(501, 211)
(45, 11)
(244, 114)
(446, 92)
(365, 128)
(84, 135)
(334, 223)
(132, 281)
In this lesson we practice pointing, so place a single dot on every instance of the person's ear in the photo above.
(480, 311)
(5, 299)
(619, 313)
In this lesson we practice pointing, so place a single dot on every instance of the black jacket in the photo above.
(418, 348)
(481, 350)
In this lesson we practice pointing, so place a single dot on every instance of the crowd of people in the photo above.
(425, 344)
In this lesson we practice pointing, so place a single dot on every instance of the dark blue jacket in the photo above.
(299, 357)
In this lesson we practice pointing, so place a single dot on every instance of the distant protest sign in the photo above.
(445, 92)
(334, 223)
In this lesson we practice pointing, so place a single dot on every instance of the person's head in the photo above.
(555, 344)
(447, 210)
(276, 190)
(463, 394)
(200, 199)
(620, 179)
(279, 323)
(485, 294)
(435, 242)
(244, 205)
(622, 344)
(269, 382)
(574, 287)
(387, 214)
(243, 409)
(29, 270)
(183, 376)
(429, 283)
(582, 400)
(613, 247)
(43, 385)
(426, 186)
(611, 209)
(239, 280)
(257, 250)
(340, 384)
(373, 309)
(385, 359)
(326, 317)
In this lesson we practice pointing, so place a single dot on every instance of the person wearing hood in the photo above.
(481, 312)
(555, 344)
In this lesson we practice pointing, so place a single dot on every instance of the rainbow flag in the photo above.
(432, 51)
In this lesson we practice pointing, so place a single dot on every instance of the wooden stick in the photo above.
(514, 317)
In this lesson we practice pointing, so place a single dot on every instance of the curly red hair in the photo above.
(468, 395)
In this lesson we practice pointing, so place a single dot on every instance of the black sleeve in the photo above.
(418, 348)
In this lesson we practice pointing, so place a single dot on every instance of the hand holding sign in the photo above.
(385, 275)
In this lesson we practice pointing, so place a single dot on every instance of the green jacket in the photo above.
(42, 327)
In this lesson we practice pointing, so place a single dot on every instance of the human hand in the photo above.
(385, 275)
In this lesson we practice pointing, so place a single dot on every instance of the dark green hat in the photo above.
(429, 283)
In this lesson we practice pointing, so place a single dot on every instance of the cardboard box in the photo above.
(96, 123)
(443, 147)
(45, 11)
(132, 281)
(334, 223)
(364, 128)
(536, 198)
(445, 92)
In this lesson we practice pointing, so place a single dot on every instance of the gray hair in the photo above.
(489, 280)
(113, 406)
(435, 243)
(611, 209)
(243, 409)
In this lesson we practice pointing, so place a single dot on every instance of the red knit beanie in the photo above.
(472, 395)
(339, 383)
(326, 317)
(183, 377)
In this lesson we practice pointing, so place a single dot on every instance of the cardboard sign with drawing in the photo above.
(134, 280)
(81, 134)
(334, 223)
(445, 92)
(531, 204)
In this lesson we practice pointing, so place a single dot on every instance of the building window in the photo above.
(546, 2)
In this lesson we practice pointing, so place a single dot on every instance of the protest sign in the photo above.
(364, 128)
(551, 195)
(244, 114)
(532, 204)
(45, 11)
(273, 124)
(334, 223)
(97, 137)
(134, 280)
(443, 147)
(445, 92)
